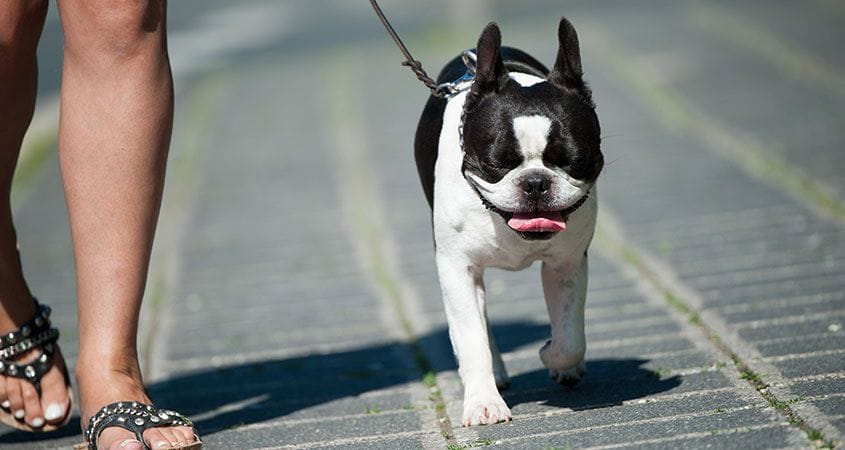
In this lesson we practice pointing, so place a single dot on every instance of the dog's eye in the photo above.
(556, 155)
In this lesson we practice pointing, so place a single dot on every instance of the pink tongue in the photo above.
(537, 221)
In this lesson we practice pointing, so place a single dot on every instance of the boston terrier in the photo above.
(509, 168)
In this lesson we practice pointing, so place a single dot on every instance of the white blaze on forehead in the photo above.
(532, 133)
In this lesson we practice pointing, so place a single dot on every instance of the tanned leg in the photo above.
(116, 119)
(21, 23)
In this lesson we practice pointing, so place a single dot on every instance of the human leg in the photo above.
(21, 23)
(116, 119)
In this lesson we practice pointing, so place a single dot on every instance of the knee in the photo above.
(21, 22)
(114, 29)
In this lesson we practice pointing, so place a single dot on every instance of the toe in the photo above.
(116, 438)
(161, 438)
(13, 393)
(54, 398)
(186, 435)
(4, 399)
(32, 405)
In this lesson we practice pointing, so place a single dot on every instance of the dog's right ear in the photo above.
(490, 72)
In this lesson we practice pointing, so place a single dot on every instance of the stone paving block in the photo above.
(811, 365)
(797, 307)
(834, 406)
(817, 284)
(631, 350)
(803, 344)
(633, 332)
(809, 388)
(776, 330)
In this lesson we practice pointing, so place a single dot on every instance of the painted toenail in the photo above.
(19, 414)
(162, 444)
(37, 422)
(5, 404)
(53, 412)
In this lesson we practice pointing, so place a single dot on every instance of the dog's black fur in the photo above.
(575, 137)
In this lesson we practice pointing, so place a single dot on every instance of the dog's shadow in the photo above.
(310, 386)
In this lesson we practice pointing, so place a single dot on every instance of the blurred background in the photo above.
(292, 298)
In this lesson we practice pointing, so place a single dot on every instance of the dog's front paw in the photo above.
(485, 410)
(569, 377)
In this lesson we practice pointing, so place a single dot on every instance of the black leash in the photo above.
(416, 66)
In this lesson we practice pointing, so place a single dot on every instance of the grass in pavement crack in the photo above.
(370, 234)
(630, 255)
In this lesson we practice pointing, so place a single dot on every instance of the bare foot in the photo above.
(99, 387)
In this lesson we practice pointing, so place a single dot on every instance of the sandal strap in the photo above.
(35, 333)
(136, 417)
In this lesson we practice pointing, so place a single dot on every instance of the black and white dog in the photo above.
(509, 168)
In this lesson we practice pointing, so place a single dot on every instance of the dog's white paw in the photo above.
(569, 377)
(566, 366)
(485, 410)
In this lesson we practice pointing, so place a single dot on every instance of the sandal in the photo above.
(136, 417)
(35, 334)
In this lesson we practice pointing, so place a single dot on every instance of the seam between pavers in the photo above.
(676, 113)
(764, 377)
(819, 377)
(681, 437)
(157, 319)
(369, 232)
(813, 398)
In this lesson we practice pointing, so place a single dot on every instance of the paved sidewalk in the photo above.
(293, 302)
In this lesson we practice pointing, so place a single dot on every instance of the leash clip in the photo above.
(453, 88)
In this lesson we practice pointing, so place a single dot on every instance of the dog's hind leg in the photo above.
(565, 290)
(463, 299)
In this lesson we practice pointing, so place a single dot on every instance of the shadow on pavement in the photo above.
(255, 392)
(17, 437)
(228, 397)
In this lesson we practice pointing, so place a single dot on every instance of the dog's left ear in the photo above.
(490, 72)
(567, 70)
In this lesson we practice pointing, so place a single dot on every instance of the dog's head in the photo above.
(532, 145)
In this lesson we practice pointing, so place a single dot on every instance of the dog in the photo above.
(509, 169)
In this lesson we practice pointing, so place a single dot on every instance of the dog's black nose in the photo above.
(536, 185)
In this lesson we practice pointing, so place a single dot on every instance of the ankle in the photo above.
(107, 368)
(17, 307)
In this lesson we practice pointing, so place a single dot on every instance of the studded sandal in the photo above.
(136, 417)
(35, 334)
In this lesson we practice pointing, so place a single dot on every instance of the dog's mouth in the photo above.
(539, 225)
